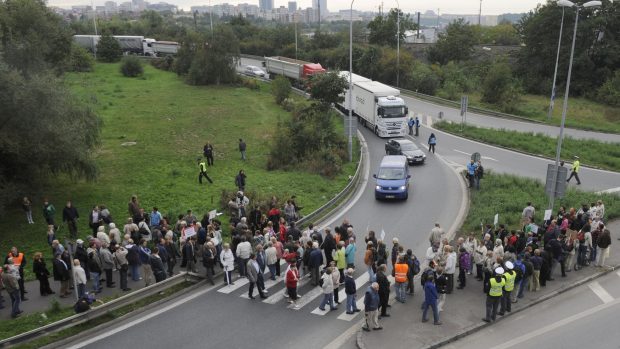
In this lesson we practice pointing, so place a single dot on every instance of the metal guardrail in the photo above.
(457, 105)
(98, 311)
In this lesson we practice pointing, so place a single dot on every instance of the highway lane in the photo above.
(454, 115)
(458, 151)
(580, 318)
(214, 319)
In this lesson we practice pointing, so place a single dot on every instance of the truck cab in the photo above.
(391, 117)
(392, 178)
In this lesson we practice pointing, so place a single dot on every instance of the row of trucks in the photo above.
(137, 45)
(377, 106)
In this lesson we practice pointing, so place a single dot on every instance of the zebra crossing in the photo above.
(310, 298)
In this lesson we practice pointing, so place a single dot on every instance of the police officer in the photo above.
(509, 275)
(203, 171)
(417, 126)
(575, 170)
(411, 123)
(495, 294)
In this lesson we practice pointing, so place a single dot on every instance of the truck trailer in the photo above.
(379, 108)
(344, 106)
(165, 48)
(292, 68)
(129, 44)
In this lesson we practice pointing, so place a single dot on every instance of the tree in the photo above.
(108, 49)
(383, 30)
(215, 62)
(33, 38)
(609, 93)
(44, 131)
(328, 88)
(423, 79)
(597, 48)
(500, 88)
(456, 44)
(280, 88)
(80, 60)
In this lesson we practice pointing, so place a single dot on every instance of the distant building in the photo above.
(265, 5)
(292, 6)
(110, 7)
(320, 5)
(125, 7)
(162, 7)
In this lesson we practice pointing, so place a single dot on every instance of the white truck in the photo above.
(129, 44)
(344, 106)
(165, 48)
(379, 108)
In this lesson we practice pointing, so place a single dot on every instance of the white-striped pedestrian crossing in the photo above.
(313, 295)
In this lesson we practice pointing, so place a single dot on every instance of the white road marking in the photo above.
(308, 297)
(268, 284)
(429, 121)
(541, 331)
(489, 158)
(278, 296)
(462, 152)
(618, 272)
(345, 337)
(482, 157)
(342, 295)
(240, 282)
(110, 332)
(600, 292)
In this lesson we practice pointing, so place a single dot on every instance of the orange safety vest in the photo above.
(17, 261)
(400, 272)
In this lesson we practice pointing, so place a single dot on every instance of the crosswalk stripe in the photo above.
(278, 296)
(342, 295)
(359, 304)
(600, 292)
(238, 283)
(268, 284)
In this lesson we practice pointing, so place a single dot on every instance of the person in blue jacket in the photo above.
(430, 300)
(349, 253)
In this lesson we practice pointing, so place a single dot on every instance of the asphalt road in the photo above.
(214, 319)
(584, 317)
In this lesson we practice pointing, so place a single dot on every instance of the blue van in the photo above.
(392, 179)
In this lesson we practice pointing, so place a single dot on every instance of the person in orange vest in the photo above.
(19, 262)
(400, 277)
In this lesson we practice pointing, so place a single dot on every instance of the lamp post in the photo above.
(350, 123)
(397, 43)
(95, 24)
(480, 13)
(295, 19)
(566, 3)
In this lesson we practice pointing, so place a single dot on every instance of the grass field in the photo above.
(591, 153)
(169, 122)
(508, 195)
(581, 113)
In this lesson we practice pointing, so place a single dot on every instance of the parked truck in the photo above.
(379, 108)
(138, 45)
(344, 106)
(293, 69)
(165, 48)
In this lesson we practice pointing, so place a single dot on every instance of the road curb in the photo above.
(479, 326)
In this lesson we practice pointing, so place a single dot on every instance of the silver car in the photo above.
(255, 71)
(407, 148)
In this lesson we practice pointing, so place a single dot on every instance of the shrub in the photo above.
(131, 67)
(251, 84)
(166, 63)
(500, 88)
(423, 79)
(108, 49)
(609, 92)
(80, 59)
(280, 88)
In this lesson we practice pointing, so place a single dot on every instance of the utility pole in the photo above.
(95, 24)
(480, 13)
(397, 44)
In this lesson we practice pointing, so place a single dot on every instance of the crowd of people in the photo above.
(147, 247)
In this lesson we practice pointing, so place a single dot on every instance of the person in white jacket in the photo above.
(79, 275)
(328, 289)
(244, 250)
(479, 257)
(450, 268)
(228, 262)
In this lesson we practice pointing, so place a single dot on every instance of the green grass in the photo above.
(581, 114)
(9, 328)
(590, 151)
(170, 121)
(508, 195)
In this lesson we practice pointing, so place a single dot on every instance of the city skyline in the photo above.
(489, 7)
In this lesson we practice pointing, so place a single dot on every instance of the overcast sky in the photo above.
(491, 7)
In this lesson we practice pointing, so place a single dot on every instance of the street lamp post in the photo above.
(350, 123)
(397, 44)
(95, 24)
(564, 4)
(295, 18)
(480, 14)
(558, 150)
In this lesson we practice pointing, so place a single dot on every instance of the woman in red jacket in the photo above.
(292, 278)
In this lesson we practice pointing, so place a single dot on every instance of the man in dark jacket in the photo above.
(61, 273)
(157, 265)
(430, 300)
(371, 303)
(329, 244)
(350, 289)
(557, 253)
(70, 216)
(81, 255)
(384, 289)
(314, 263)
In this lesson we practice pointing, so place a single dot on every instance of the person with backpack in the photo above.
(478, 174)
(519, 269)
(414, 268)
(527, 275)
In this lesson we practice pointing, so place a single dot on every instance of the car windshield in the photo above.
(393, 112)
(408, 147)
(391, 173)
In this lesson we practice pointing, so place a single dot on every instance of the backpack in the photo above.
(581, 237)
(519, 270)
(480, 171)
(416, 266)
